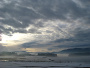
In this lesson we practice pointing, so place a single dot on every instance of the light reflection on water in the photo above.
(48, 67)
(6, 64)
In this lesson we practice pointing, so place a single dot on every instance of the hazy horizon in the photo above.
(54, 26)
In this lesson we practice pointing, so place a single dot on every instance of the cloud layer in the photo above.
(49, 24)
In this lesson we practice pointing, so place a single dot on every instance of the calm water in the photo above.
(40, 65)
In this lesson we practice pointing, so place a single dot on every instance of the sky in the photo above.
(44, 25)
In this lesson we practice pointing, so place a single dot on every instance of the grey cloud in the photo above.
(81, 39)
(1, 28)
(10, 31)
(2, 48)
(82, 35)
(78, 45)
(48, 31)
(35, 44)
(39, 24)
(86, 3)
(28, 45)
(21, 31)
(21, 14)
(40, 9)
(6, 30)
(34, 31)
(63, 40)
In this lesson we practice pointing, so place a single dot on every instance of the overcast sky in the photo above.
(44, 25)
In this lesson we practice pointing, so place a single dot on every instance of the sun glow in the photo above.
(35, 50)
(16, 39)
(9, 40)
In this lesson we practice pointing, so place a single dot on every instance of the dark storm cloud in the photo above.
(86, 3)
(13, 14)
(73, 45)
(59, 9)
(29, 44)
(82, 35)
(35, 44)
(81, 38)
(16, 11)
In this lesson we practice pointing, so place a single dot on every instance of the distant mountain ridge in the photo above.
(76, 50)
(80, 54)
